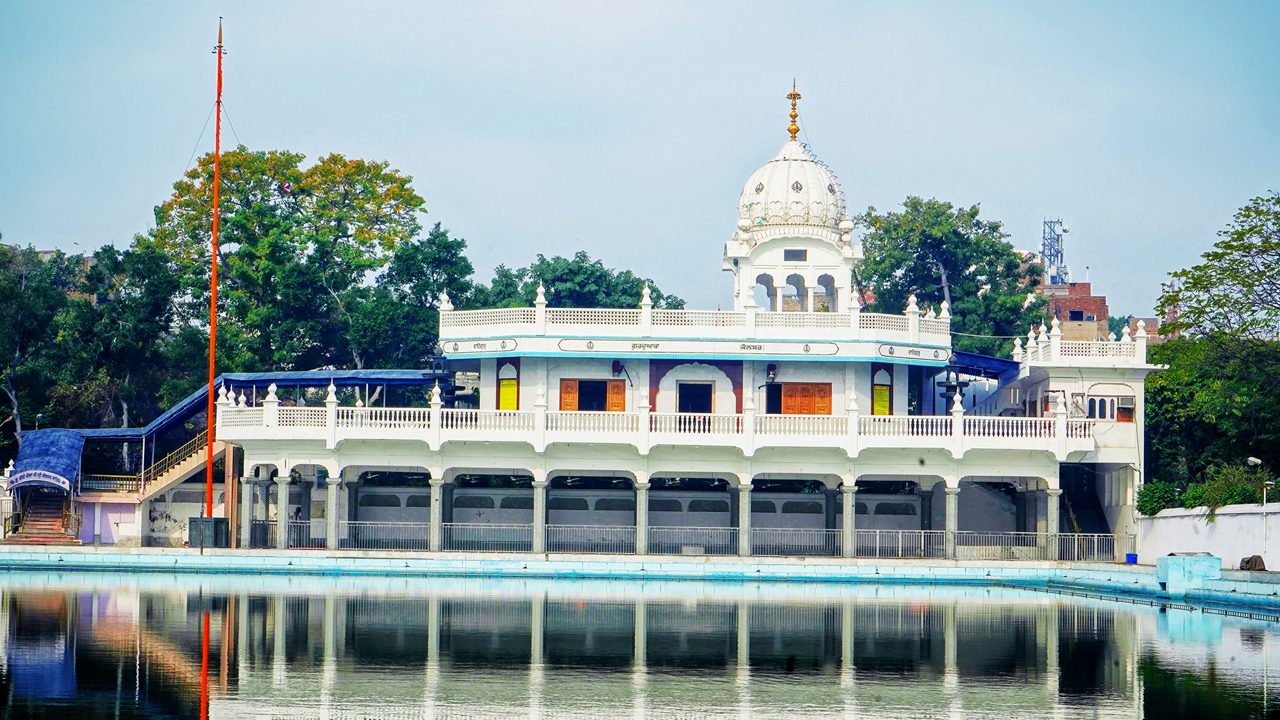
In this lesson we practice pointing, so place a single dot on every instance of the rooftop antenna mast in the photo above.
(213, 284)
(1056, 271)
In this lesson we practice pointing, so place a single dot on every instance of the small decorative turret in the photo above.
(541, 299)
(446, 305)
(945, 313)
(911, 304)
(271, 393)
(646, 297)
(332, 395)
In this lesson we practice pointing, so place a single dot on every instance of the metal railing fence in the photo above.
(305, 534)
(795, 541)
(693, 540)
(669, 540)
(614, 539)
(371, 535)
(900, 544)
(97, 482)
(485, 537)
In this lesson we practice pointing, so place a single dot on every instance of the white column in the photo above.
(282, 510)
(540, 511)
(1051, 520)
(953, 520)
(437, 513)
(642, 513)
(808, 298)
(278, 663)
(247, 488)
(331, 511)
(849, 521)
(744, 515)
(329, 661)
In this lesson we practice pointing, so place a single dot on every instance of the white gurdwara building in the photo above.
(794, 423)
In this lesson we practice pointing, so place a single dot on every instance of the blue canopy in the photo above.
(49, 458)
(983, 365)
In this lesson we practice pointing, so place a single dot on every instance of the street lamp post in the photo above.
(1266, 485)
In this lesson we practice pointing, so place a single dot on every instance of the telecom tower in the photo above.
(1056, 271)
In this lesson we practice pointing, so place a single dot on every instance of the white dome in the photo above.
(794, 188)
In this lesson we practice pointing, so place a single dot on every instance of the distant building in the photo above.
(1083, 315)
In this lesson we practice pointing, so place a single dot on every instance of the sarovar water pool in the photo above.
(176, 646)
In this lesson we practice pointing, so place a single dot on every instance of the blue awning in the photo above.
(983, 365)
(48, 458)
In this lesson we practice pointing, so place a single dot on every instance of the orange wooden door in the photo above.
(806, 398)
(822, 398)
(790, 399)
(616, 397)
(568, 395)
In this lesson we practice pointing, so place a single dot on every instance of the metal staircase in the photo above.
(46, 519)
(170, 470)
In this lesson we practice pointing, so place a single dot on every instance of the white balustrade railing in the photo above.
(934, 326)
(592, 316)
(696, 423)
(721, 324)
(590, 421)
(700, 318)
(1079, 429)
(384, 418)
(802, 425)
(880, 321)
(480, 318)
(499, 420)
(234, 422)
(802, 320)
(905, 425)
(1009, 427)
(1097, 349)
(312, 417)
(231, 417)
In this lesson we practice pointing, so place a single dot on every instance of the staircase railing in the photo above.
(14, 520)
(71, 518)
(168, 462)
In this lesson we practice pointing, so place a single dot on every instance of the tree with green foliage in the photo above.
(940, 252)
(1216, 403)
(33, 291)
(1155, 496)
(1219, 400)
(1117, 324)
(1235, 290)
(298, 248)
(396, 323)
(577, 282)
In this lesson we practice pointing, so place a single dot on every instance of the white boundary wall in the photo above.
(1235, 533)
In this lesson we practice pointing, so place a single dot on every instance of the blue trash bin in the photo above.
(1131, 558)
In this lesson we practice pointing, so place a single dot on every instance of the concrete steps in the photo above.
(42, 524)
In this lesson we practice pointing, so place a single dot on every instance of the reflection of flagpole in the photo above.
(213, 287)
(204, 664)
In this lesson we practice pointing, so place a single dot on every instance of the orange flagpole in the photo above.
(213, 284)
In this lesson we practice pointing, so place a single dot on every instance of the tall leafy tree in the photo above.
(34, 289)
(1235, 290)
(1219, 399)
(940, 253)
(572, 282)
(298, 249)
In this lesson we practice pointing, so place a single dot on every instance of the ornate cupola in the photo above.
(794, 235)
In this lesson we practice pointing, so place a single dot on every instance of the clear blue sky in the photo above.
(627, 130)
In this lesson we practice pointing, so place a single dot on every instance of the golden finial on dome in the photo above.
(793, 96)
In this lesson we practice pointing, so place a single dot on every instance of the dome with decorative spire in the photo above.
(794, 188)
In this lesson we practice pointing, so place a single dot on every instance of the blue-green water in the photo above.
(127, 646)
